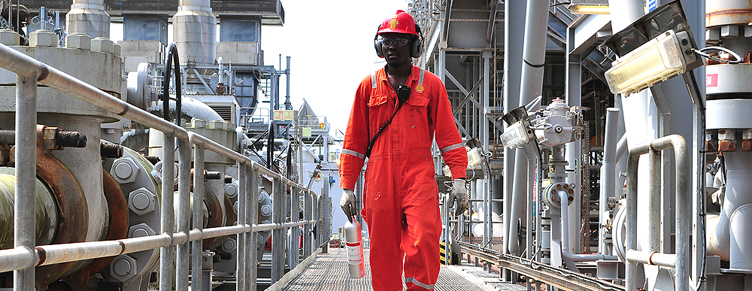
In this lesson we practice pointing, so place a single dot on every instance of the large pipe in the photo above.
(608, 176)
(46, 210)
(531, 85)
(194, 31)
(88, 17)
(514, 18)
(737, 195)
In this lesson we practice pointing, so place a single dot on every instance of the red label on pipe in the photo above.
(711, 80)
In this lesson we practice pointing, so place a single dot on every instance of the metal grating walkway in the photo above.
(329, 272)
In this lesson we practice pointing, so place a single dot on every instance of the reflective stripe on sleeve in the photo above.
(451, 147)
(420, 284)
(354, 153)
(422, 74)
(374, 82)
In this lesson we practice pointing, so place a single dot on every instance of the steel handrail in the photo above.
(26, 255)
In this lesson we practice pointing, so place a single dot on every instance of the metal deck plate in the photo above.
(329, 272)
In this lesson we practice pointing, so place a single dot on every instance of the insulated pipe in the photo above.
(88, 17)
(531, 85)
(46, 210)
(740, 237)
(737, 194)
(194, 30)
(565, 235)
(24, 218)
(608, 176)
(683, 206)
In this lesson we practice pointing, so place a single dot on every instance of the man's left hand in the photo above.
(459, 193)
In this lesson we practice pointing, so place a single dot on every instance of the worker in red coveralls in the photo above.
(396, 113)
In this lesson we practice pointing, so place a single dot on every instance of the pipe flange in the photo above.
(551, 196)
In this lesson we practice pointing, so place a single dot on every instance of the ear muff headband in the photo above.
(416, 49)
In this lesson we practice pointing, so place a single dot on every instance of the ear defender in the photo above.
(377, 44)
(417, 49)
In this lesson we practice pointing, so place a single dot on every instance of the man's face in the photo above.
(396, 48)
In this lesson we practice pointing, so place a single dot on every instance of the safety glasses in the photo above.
(393, 41)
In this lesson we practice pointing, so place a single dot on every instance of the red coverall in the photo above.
(400, 196)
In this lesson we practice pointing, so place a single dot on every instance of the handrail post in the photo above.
(184, 212)
(241, 237)
(278, 235)
(293, 253)
(252, 216)
(198, 218)
(26, 159)
(167, 253)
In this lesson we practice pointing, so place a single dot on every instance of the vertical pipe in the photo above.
(629, 11)
(167, 220)
(184, 213)
(531, 84)
(574, 149)
(632, 163)
(514, 17)
(43, 18)
(683, 212)
(242, 284)
(654, 201)
(608, 176)
(24, 221)
(288, 104)
(198, 217)
(486, 96)
(251, 216)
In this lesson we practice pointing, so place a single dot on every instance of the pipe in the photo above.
(737, 194)
(683, 206)
(46, 210)
(24, 218)
(740, 236)
(608, 176)
(534, 54)
(565, 235)
(652, 258)
(288, 104)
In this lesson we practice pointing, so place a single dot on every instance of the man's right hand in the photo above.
(348, 203)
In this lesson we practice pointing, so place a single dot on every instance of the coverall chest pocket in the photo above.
(418, 113)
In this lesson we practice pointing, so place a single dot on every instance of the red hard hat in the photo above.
(401, 22)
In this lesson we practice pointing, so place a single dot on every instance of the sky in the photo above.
(330, 43)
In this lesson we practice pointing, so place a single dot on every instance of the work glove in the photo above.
(459, 193)
(348, 203)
